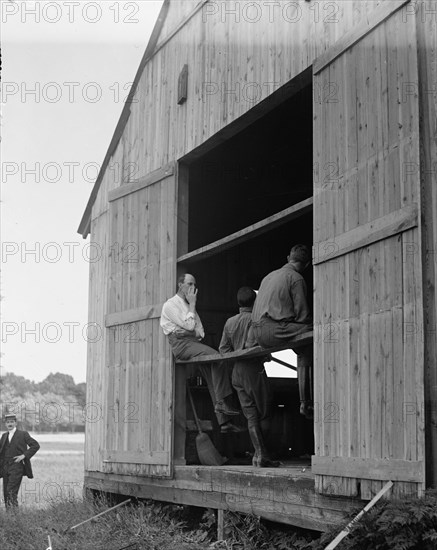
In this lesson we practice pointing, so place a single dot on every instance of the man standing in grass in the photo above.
(16, 450)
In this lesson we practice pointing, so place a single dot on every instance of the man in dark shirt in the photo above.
(249, 378)
(281, 312)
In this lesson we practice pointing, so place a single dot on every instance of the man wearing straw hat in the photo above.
(16, 450)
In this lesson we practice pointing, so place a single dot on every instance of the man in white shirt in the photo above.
(183, 327)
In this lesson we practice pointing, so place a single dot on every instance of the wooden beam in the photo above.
(250, 232)
(371, 232)
(145, 181)
(298, 341)
(284, 495)
(266, 106)
(220, 525)
(133, 315)
(375, 18)
(382, 469)
(136, 457)
(283, 363)
(154, 37)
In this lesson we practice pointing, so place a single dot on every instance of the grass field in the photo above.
(52, 502)
(58, 469)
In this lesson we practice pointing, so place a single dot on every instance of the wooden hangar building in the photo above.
(250, 128)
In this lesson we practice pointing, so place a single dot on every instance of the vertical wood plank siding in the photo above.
(235, 63)
(368, 307)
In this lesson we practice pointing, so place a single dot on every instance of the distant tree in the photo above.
(55, 404)
(57, 383)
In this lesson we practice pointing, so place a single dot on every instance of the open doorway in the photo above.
(248, 200)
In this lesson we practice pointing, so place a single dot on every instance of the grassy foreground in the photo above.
(143, 526)
(134, 527)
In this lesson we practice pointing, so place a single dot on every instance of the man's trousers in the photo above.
(250, 380)
(217, 376)
(12, 476)
(269, 333)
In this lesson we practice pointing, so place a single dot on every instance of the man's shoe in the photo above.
(222, 407)
(229, 428)
(306, 410)
(264, 462)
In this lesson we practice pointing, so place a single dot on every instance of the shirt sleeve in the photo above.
(225, 343)
(172, 318)
(301, 309)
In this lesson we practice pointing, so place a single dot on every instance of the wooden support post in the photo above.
(283, 363)
(220, 524)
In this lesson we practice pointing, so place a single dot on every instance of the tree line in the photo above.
(53, 405)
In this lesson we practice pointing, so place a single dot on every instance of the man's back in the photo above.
(235, 331)
(282, 297)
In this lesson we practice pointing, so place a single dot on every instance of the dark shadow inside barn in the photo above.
(247, 200)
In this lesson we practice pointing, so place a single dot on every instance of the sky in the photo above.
(66, 71)
(67, 68)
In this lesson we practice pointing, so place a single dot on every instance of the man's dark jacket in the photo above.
(21, 444)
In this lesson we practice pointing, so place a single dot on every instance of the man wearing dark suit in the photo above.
(16, 450)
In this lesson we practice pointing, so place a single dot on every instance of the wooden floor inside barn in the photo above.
(285, 494)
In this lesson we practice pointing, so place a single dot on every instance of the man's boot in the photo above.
(260, 458)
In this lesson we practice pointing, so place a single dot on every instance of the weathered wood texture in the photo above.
(300, 340)
(368, 292)
(427, 89)
(283, 494)
(235, 61)
(138, 362)
(371, 302)
(96, 372)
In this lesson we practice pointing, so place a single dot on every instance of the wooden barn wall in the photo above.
(427, 88)
(233, 64)
(368, 302)
(142, 275)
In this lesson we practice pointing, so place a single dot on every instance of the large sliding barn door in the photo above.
(142, 276)
(369, 424)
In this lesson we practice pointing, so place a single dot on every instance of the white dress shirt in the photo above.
(11, 434)
(177, 317)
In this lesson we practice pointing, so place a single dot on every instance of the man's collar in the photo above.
(243, 309)
(181, 297)
(289, 266)
(12, 432)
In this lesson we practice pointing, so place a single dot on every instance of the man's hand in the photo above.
(192, 296)
(19, 458)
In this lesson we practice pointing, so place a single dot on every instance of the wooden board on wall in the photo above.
(139, 363)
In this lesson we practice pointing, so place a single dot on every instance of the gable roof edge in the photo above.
(85, 224)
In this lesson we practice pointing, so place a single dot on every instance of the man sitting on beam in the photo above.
(183, 327)
(281, 312)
